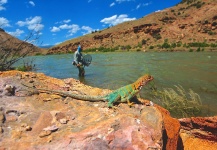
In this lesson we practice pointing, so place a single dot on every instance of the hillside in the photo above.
(10, 43)
(189, 25)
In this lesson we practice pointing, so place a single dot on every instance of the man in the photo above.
(78, 61)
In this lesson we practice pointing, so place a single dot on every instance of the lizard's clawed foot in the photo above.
(130, 103)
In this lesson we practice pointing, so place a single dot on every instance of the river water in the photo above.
(196, 71)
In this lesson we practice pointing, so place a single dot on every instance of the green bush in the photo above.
(198, 44)
(157, 36)
(191, 50)
(144, 42)
(166, 45)
(198, 49)
(138, 50)
(213, 45)
(179, 44)
(151, 47)
(211, 33)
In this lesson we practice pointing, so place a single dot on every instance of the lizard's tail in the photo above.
(76, 96)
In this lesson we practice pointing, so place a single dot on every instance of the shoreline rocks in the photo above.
(49, 121)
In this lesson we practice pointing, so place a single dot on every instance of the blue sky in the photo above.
(59, 20)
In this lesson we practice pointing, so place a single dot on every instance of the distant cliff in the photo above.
(183, 26)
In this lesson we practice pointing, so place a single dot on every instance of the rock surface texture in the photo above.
(199, 133)
(34, 120)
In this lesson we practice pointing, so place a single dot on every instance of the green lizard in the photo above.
(123, 94)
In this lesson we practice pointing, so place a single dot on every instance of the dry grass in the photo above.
(179, 102)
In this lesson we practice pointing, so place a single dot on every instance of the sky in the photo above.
(56, 21)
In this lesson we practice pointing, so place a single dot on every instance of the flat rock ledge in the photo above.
(32, 120)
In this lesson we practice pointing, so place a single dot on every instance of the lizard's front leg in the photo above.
(111, 101)
(129, 97)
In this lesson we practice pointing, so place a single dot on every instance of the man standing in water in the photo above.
(78, 61)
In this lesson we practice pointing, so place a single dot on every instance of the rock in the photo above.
(199, 131)
(60, 115)
(11, 118)
(8, 90)
(45, 133)
(28, 128)
(1, 130)
(120, 132)
(171, 129)
(44, 120)
(51, 128)
(2, 117)
(63, 121)
(92, 125)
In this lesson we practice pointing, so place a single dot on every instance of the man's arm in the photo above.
(76, 57)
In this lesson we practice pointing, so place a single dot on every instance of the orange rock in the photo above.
(171, 131)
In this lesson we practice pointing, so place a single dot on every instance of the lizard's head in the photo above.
(143, 81)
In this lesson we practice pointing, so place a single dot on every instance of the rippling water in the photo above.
(197, 71)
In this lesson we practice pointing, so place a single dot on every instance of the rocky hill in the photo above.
(10, 43)
(188, 24)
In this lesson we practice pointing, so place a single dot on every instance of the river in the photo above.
(191, 70)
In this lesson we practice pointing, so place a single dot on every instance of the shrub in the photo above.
(213, 45)
(166, 45)
(191, 50)
(139, 45)
(27, 65)
(138, 50)
(179, 44)
(144, 42)
(211, 33)
(198, 44)
(198, 49)
(151, 47)
(157, 36)
(173, 45)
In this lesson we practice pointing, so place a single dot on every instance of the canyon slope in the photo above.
(183, 25)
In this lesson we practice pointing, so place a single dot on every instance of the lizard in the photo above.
(123, 94)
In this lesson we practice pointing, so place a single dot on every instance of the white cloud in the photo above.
(36, 27)
(16, 33)
(66, 26)
(114, 20)
(87, 29)
(67, 21)
(112, 4)
(72, 29)
(64, 21)
(142, 5)
(138, 6)
(32, 3)
(32, 23)
(158, 11)
(146, 4)
(89, 1)
(55, 29)
(57, 43)
(120, 1)
(2, 2)
(4, 22)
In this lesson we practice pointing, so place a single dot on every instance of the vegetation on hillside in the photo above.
(167, 46)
